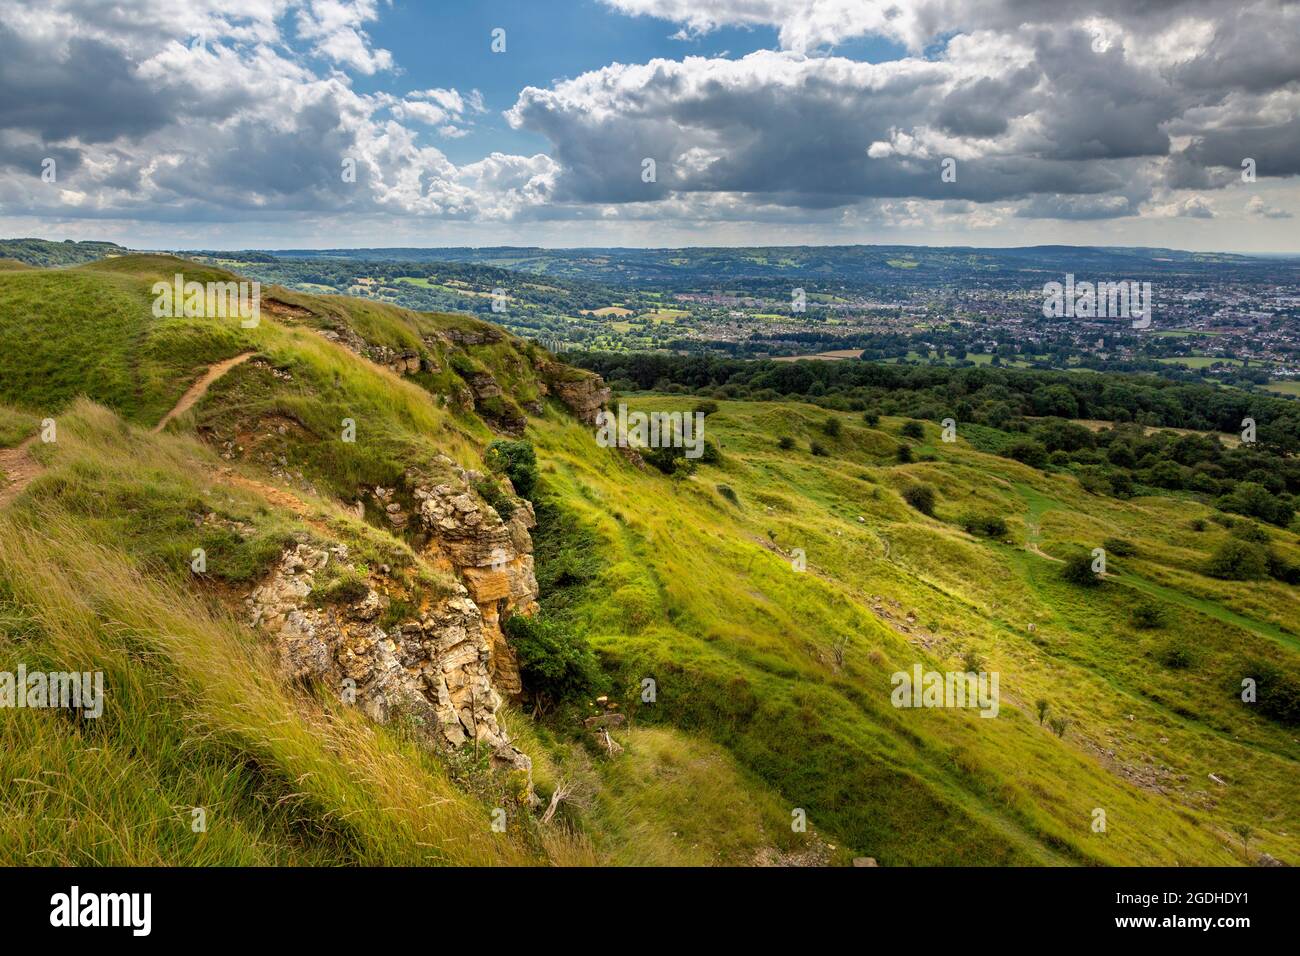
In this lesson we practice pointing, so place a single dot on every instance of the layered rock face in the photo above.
(434, 667)
(584, 396)
(492, 557)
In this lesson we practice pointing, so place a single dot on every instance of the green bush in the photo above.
(817, 448)
(904, 454)
(872, 418)
(518, 461)
(988, 526)
(1120, 547)
(1030, 453)
(729, 493)
(912, 429)
(832, 427)
(491, 492)
(1277, 693)
(1237, 560)
(1078, 570)
(921, 497)
(555, 663)
(1175, 655)
(1147, 616)
(785, 442)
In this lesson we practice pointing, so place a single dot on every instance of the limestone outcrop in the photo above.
(433, 666)
(491, 556)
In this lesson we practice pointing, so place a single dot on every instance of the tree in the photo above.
(1237, 560)
(1028, 452)
(1244, 831)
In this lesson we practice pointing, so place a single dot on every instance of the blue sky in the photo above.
(762, 121)
(447, 44)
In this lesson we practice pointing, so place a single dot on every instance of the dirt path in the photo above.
(276, 496)
(1032, 548)
(200, 388)
(18, 468)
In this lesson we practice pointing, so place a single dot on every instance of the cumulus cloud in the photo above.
(212, 115)
(1256, 206)
(1107, 109)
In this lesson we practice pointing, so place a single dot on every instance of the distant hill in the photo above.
(853, 265)
(47, 253)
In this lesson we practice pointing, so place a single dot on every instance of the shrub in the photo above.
(920, 497)
(729, 493)
(1175, 655)
(491, 492)
(832, 427)
(1078, 570)
(1238, 560)
(785, 442)
(1120, 547)
(904, 454)
(1283, 570)
(872, 418)
(1249, 531)
(988, 526)
(1253, 499)
(817, 448)
(706, 408)
(912, 429)
(1277, 693)
(1147, 616)
(555, 663)
(1030, 453)
(518, 461)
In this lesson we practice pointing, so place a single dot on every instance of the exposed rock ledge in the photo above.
(434, 667)
(491, 557)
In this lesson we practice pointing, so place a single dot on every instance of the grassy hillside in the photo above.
(700, 593)
(772, 684)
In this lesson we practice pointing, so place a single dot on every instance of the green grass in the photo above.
(773, 685)
(742, 647)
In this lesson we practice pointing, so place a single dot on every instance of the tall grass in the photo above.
(195, 717)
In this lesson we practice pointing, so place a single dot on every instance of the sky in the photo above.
(342, 123)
